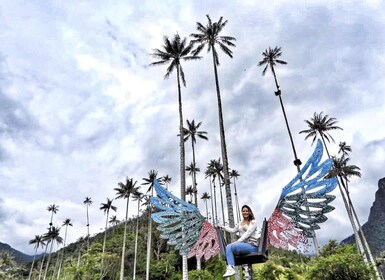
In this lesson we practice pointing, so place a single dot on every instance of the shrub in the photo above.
(340, 263)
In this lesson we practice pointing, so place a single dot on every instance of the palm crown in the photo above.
(320, 124)
(106, 207)
(270, 59)
(173, 52)
(209, 35)
(125, 190)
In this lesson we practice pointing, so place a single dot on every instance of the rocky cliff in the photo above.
(374, 228)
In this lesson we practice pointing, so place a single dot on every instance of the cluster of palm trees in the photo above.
(47, 240)
(126, 190)
(173, 52)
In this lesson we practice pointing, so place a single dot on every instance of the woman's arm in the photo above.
(250, 230)
(229, 229)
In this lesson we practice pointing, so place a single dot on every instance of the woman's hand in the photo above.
(219, 226)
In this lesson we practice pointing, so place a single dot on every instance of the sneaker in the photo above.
(246, 271)
(230, 271)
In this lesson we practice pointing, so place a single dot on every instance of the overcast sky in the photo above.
(80, 109)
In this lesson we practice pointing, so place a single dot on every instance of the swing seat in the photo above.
(260, 256)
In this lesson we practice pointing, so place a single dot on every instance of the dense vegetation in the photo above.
(334, 262)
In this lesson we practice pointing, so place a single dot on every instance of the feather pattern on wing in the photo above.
(180, 222)
(207, 245)
(304, 201)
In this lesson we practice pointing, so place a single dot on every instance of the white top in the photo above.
(248, 233)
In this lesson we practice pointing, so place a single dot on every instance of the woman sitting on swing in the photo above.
(246, 243)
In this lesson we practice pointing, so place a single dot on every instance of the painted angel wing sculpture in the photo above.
(303, 203)
(180, 222)
(207, 245)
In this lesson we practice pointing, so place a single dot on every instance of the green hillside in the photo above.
(80, 263)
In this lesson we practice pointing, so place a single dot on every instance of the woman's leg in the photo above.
(238, 248)
(243, 248)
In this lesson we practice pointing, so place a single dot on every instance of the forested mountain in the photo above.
(19, 257)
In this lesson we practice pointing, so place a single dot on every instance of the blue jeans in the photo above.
(238, 248)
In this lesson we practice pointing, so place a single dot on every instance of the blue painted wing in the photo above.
(180, 222)
(305, 200)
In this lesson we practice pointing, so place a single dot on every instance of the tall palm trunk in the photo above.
(104, 239)
(361, 232)
(215, 205)
(48, 261)
(194, 175)
(136, 242)
(368, 256)
(212, 203)
(33, 262)
(149, 238)
(346, 204)
(222, 206)
(223, 148)
(350, 215)
(181, 142)
(237, 209)
(182, 159)
(297, 162)
(88, 230)
(42, 261)
(124, 243)
(207, 210)
(62, 254)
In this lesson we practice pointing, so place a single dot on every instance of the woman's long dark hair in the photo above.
(251, 215)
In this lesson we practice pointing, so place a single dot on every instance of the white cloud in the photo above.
(82, 110)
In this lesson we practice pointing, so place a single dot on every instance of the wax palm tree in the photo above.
(88, 203)
(152, 175)
(124, 190)
(234, 174)
(270, 60)
(192, 132)
(54, 209)
(45, 253)
(218, 170)
(166, 180)
(51, 236)
(66, 224)
(173, 53)
(320, 125)
(138, 196)
(343, 171)
(192, 171)
(106, 207)
(37, 241)
(210, 173)
(205, 196)
(344, 149)
(114, 221)
(190, 192)
(210, 35)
